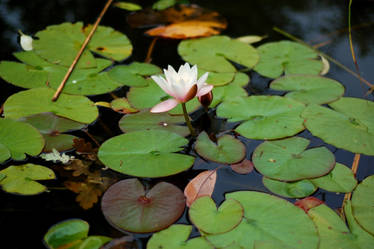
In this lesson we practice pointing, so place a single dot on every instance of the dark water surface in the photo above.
(24, 220)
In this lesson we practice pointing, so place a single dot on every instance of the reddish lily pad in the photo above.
(288, 159)
(243, 167)
(128, 206)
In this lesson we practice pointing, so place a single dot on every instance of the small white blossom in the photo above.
(55, 156)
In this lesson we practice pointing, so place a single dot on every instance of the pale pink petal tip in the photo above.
(204, 90)
(165, 106)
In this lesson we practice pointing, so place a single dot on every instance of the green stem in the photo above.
(188, 122)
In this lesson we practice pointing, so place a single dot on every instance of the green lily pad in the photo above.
(340, 180)
(72, 234)
(176, 237)
(22, 179)
(147, 97)
(77, 108)
(51, 127)
(288, 159)
(127, 206)
(363, 238)
(266, 117)
(349, 126)
(212, 53)
(298, 189)
(146, 153)
(128, 6)
(122, 105)
(231, 91)
(267, 218)
(153, 121)
(18, 139)
(268, 245)
(363, 204)
(288, 57)
(332, 231)
(133, 74)
(205, 215)
(217, 79)
(227, 150)
(309, 89)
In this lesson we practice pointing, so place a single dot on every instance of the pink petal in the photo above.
(165, 106)
(202, 79)
(204, 90)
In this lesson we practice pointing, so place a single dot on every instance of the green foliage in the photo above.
(297, 189)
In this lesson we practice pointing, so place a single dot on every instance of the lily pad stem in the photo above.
(187, 118)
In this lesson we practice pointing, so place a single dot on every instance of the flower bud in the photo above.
(206, 99)
(25, 41)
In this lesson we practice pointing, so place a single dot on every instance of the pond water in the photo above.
(24, 220)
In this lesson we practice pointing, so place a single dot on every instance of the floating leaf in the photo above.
(267, 218)
(207, 218)
(341, 180)
(202, 185)
(22, 179)
(309, 89)
(348, 126)
(72, 234)
(127, 206)
(163, 4)
(298, 189)
(133, 74)
(153, 121)
(363, 204)
(77, 108)
(122, 105)
(51, 127)
(128, 6)
(307, 203)
(288, 159)
(217, 79)
(146, 153)
(88, 193)
(244, 167)
(332, 231)
(18, 139)
(227, 150)
(266, 117)
(211, 53)
(288, 57)
(176, 237)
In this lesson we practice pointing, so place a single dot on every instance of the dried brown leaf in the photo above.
(202, 185)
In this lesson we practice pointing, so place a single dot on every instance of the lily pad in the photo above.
(266, 117)
(349, 126)
(207, 218)
(212, 53)
(153, 121)
(363, 204)
(146, 153)
(176, 237)
(217, 79)
(332, 231)
(231, 91)
(288, 159)
(77, 108)
(18, 139)
(133, 74)
(73, 234)
(288, 57)
(267, 218)
(51, 127)
(122, 105)
(340, 180)
(309, 89)
(227, 150)
(128, 206)
(22, 179)
(298, 189)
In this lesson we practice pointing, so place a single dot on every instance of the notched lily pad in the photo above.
(288, 159)
(212, 220)
(298, 189)
(128, 206)
(18, 139)
(288, 57)
(146, 120)
(212, 53)
(348, 126)
(146, 153)
(266, 117)
(176, 237)
(309, 89)
(227, 150)
(122, 105)
(23, 179)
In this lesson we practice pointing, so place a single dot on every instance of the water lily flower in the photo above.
(26, 41)
(182, 86)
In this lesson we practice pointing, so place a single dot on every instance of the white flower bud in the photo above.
(26, 42)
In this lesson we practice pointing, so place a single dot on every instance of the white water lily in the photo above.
(182, 86)
(26, 42)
